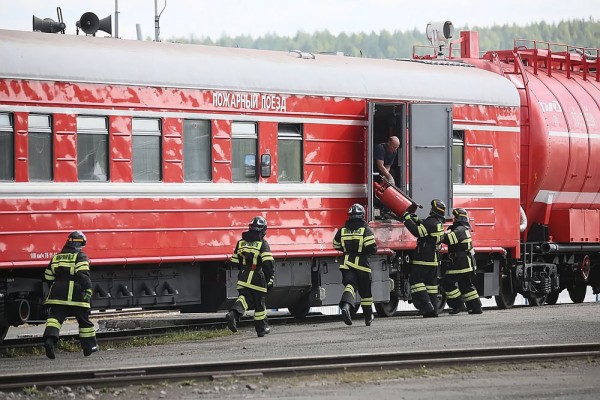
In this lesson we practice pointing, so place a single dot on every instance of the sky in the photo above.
(215, 18)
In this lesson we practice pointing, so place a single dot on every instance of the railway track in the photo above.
(298, 365)
(113, 335)
(202, 324)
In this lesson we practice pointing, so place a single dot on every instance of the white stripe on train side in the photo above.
(555, 197)
(99, 190)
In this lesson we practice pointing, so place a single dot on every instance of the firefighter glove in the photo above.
(87, 295)
(270, 285)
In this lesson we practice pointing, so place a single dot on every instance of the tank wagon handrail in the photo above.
(549, 54)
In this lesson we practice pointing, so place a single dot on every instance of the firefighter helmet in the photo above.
(356, 211)
(76, 240)
(258, 224)
(438, 208)
(461, 215)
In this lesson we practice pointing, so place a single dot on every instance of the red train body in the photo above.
(162, 153)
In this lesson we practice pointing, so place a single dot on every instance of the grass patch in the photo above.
(72, 346)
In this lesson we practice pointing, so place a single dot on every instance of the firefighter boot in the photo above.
(346, 314)
(369, 317)
(454, 311)
(433, 303)
(457, 308)
(232, 318)
(89, 350)
(474, 306)
(262, 328)
(49, 344)
(89, 345)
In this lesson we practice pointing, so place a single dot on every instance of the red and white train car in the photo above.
(162, 153)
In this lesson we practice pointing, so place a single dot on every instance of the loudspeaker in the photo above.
(48, 25)
(90, 23)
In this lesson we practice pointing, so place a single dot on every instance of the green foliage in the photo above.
(399, 44)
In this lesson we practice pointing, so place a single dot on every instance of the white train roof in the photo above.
(71, 58)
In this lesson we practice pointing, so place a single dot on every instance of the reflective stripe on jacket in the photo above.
(460, 245)
(69, 276)
(255, 262)
(356, 244)
(429, 234)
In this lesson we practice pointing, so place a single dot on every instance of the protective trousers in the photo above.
(56, 316)
(354, 279)
(424, 288)
(465, 294)
(252, 299)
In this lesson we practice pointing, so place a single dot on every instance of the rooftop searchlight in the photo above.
(439, 34)
(48, 25)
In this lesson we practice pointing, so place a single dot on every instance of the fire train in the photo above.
(162, 153)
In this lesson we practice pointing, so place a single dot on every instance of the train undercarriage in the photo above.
(544, 270)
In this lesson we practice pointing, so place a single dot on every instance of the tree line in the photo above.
(399, 44)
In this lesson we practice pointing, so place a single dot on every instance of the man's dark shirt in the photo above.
(381, 153)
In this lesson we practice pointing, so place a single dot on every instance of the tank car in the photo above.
(559, 90)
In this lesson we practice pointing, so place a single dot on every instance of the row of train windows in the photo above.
(93, 150)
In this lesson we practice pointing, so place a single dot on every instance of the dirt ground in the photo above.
(570, 379)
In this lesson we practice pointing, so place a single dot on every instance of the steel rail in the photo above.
(203, 323)
(299, 365)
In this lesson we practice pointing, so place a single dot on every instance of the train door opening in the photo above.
(422, 167)
(386, 120)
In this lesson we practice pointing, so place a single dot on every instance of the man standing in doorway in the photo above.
(384, 155)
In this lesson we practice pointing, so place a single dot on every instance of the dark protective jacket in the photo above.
(429, 234)
(460, 246)
(252, 255)
(69, 277)
(357, 241)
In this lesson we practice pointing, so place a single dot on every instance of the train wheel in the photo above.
(536, 299)
(577, 292)
(3, 332)
(552, 297)
(506, 298)
(301, 309)
(387, 309)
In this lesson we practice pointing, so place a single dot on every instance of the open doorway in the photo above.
(386, 120)
(421, 167)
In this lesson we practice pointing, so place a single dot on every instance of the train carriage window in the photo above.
(243, 149)
(40, 150)
(289, 153)
(7, 148)
(147, 160)
(458, 156)
(196, 150)
(92, 148)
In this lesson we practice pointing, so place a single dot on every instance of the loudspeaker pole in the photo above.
(156, 18)
(117, 19)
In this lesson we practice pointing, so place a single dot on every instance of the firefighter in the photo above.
(68, 275)
(356, 241)
(252, 256)
(425, 260)
(461, 267)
